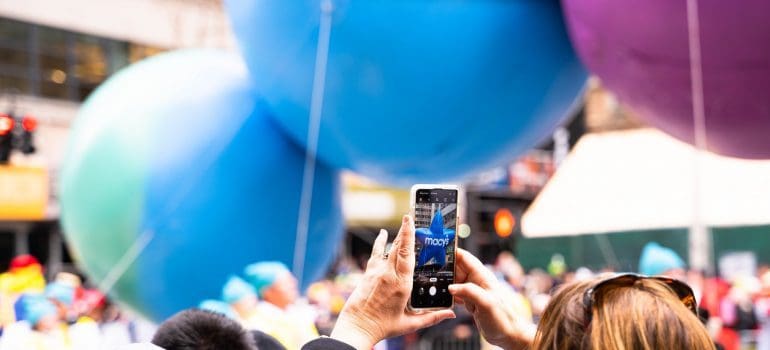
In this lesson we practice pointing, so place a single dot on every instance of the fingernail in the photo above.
(383, 231)
(452, 288)
(405, 219)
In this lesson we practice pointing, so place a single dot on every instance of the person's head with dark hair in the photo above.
(265, 341)
(195, 329)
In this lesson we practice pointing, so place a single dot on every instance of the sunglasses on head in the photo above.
(682, 290)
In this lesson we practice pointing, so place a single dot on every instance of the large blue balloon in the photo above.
(416, 90)
(179, 147)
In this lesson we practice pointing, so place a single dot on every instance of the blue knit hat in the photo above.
(60, 292)
(657, 259)
(36, 307)
(236, 289)
(262, 275)
(219, 307)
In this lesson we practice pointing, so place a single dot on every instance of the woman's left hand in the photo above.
(377, 308)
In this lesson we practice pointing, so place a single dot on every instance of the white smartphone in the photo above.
(435, 212)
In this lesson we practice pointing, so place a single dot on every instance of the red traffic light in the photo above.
(6, 124)
(29, 123)
(504, 222)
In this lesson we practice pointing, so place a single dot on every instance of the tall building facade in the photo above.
(53, 54)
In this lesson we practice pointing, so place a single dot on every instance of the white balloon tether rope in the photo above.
(314, 124)
(125, 261)
(698, 114)
(696, 75)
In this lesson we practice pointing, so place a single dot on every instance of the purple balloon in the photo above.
(640, 51)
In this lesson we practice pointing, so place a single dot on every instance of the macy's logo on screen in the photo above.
(436, 242)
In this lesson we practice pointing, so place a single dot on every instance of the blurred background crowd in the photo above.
(735, 309)
(63, 313)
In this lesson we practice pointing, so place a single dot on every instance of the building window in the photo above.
(14, 56)
(49, 62)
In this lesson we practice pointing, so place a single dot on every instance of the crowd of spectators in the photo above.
(265, 297)
(736, 311)
(60, 313)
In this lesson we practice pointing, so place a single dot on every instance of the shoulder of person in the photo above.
(141, 346)
(325, 343)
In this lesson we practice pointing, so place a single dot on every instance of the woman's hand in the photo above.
(377, 308)
(481, 293)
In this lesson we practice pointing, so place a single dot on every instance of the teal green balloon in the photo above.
(104, 154)
(180, 149)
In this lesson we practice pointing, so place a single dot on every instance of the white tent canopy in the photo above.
(643, 179)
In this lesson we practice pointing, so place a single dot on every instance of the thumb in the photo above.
(472, 294)
(419, 321)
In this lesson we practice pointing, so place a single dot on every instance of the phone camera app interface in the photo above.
(435, 220)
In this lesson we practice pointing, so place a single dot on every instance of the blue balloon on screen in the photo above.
(179, 148)
(415, 91)
(434, 240)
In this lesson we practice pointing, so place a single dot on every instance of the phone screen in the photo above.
(435, 222)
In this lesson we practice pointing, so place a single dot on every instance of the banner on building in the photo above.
(23, 193)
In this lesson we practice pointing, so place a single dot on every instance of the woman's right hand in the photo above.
(481, 293)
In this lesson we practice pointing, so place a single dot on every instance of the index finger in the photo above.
(402, 253)
(378, 248)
